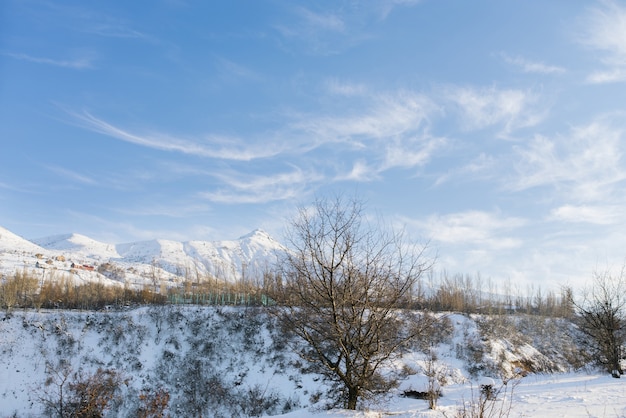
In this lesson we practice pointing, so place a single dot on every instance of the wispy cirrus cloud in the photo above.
(345, 88)
(329, 32)
(111, 28)
(586, 164)
(256, 188)
(381, 132)
(72, 175)
(160, 208)
(592, 214)
(211, 146)
(325, 21)
(485, 229)
(229, 69)
(605, 32)
(85, 61)
(318, 32)
(387, 6)
(482, 166)
(485, 107)
(392, 131)
(383, 116)
(529, 66)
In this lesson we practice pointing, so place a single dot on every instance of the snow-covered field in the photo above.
(571, 395)
(223, 359)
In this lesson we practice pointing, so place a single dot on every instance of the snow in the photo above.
(565, 395)
(78, 245)
(10, 242)
(168, 261)
(239, 345)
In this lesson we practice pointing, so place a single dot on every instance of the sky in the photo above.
(493, 131)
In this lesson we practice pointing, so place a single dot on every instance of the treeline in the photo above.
(468, 294)
(457, 293)
(23, 290)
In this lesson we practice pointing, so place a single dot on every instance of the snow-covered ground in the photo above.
(224, 358)
(570, 395)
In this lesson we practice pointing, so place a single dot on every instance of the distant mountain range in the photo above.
(247, 257)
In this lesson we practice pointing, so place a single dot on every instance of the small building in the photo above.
(82, 267)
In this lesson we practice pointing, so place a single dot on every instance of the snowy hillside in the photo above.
(235, 362)
(170, 261)
(12, 243)
(79, 246)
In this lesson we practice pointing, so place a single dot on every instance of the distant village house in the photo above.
(83, 267)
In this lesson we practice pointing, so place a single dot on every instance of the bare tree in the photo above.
(345, 283)
(601, 314)
(78, 396)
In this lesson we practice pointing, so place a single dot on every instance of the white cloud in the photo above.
(484, 229)
(318, 33)
(211, 146)
(480, 167)
(230, 69)
(606, 32)
(114, 29)
(324, 21)
(410, 152)
(528, 66)
(586, 165)
(336, 87)
(391, 132)
(387, 6)
(599, 215)
(72, 175)
(242, 188)
(83, 62)
(380, 133)
(482, 108)
(345, 24)
(608, 76)
(360, 172)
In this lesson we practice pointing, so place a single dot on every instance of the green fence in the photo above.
(225, 298)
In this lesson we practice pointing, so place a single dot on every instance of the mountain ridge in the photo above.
(230, 260)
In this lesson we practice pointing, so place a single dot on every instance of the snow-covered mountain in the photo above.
(247, 257)
(10, 242)
(78, 245)
(250, 254)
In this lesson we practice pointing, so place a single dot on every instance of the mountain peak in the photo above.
(256, 233)
(12, 242)
(78, 244)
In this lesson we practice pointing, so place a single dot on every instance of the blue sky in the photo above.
(494, 130)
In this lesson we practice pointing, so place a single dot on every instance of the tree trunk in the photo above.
(615, 362)
(353, 396)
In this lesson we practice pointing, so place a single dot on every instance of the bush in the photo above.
(77, 396)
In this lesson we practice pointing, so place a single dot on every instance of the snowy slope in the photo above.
(10, 242)
(79, 246)
(236, 357)
(249, 256)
